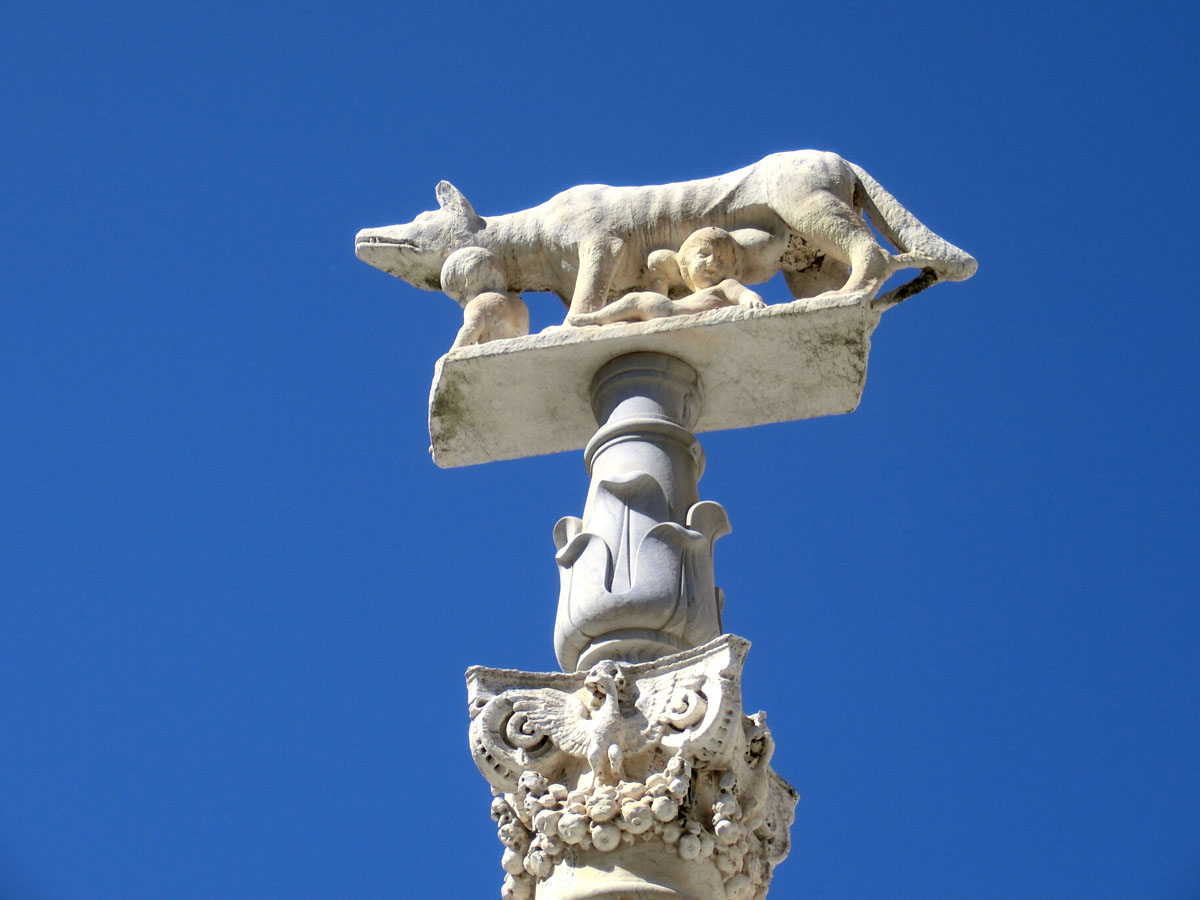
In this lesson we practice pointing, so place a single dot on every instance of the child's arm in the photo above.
(740, 295)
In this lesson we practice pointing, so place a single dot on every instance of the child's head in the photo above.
(708, 257)
(471, 271)
(662, 271)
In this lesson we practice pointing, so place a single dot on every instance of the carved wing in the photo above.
(559, 716)
(670, 703)
(696, 704)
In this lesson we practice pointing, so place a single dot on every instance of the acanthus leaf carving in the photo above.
(654, 580)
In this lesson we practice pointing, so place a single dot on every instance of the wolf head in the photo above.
(415, 251)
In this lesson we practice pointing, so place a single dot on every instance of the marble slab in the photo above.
(529, 395)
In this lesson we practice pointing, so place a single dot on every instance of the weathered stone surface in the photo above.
(704, 274)
(631, 780)
(636, 774)
(800, 212)
(473, 277)
(530, 395)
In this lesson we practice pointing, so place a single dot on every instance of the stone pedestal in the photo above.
(635, 772)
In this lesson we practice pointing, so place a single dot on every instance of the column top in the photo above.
(530, 395)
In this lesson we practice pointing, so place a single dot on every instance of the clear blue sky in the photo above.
(237, 599)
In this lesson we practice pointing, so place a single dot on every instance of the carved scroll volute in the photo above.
(502, 743)
(703, 713)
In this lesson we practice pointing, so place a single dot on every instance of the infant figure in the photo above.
(473, 277)
(708, 265)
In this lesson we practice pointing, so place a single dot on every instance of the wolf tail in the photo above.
(919, 247)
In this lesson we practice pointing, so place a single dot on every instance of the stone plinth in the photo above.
(531, 395)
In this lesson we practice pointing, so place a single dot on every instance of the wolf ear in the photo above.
(451, 199)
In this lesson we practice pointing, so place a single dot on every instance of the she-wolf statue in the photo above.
(800, 212)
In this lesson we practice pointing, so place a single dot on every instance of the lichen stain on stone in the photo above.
(448, 408)
(840, 355)
(845, 343)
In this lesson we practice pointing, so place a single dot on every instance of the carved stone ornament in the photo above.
(799, 212)
(635, 773)
(656, 591)
(661, 268)
(631, 779)
(637, 570)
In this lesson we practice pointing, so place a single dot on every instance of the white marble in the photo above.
(636, 572)
(707, 266)
(800, 212)
(643, 780)
(636, 772)
(530, 395)
(475, 279)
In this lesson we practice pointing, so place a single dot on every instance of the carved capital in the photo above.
(649, 770)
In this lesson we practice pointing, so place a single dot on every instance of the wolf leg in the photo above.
(823, 275)
(840, 232)
(597, 263)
